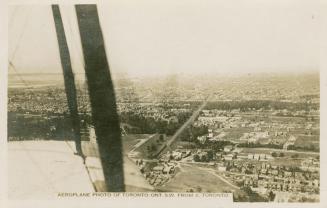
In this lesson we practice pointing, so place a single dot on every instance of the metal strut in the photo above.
(68, 77)
(103, 103)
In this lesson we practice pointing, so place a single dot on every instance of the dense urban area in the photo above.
(255, 135)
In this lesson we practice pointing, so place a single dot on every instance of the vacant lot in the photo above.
(152, 146)
(130, 140)
(307, 141)
(192, 177)
(236, 133)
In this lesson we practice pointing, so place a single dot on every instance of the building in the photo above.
(228, 148)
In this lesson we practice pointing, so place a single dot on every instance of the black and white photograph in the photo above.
(147, 98)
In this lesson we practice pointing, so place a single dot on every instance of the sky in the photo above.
(185, 36)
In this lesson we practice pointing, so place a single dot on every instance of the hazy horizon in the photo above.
(220, 73)
(157, 38)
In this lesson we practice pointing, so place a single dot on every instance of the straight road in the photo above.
(188, 122)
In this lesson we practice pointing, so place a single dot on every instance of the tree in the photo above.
(274, 154)
(198, 189)
(204, 158)
(271, 196)
(185, 135)
(196, 158)
(210, 155)
(153, 147)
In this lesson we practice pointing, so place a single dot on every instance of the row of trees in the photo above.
(311, 148)
(22, 127)
(203, 157)
(193, 132)
(245, 105)
(215, 145)
(259, 145)
(275, 154)
(150, 125)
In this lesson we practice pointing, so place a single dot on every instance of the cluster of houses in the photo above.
(254, 137)
(264, 177)
(291, 141)
(39, 101)
(310, 164)
(256, 171)
(220, 123)
(229, 153)
(263, 185)
(177, 155)
(158, 174)
(260, 157)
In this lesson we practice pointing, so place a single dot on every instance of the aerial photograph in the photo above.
(172, 99)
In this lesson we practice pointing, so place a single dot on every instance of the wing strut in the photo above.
(68, 77)
(102, 97)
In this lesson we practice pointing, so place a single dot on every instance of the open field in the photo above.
(307, 141)
(195, 178)
(234, 134)
(152, 146)
(130, 140)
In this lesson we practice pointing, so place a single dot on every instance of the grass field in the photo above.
(192, 177)
(236, 133)
(151, 148)
(132, 139)
(307, 141)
